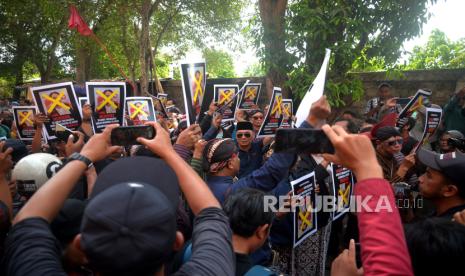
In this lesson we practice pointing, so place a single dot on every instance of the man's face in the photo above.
(347, 116)
(342, 124)
(244, 137)
(107, 93)
(257, 119)
(384, 92)
(54, 95)
(444, 143)
(431, 184)
(86, 111)
(392, 145)
(235, 162)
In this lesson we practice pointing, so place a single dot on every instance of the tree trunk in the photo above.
(82, 59)
(144, 46)
(272, 17)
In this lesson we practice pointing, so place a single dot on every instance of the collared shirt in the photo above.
(251, 159)
(389, 166)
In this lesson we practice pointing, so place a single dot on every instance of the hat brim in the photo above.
(140, 169)
(428, 158)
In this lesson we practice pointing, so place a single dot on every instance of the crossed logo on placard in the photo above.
(344, 194)
(278, 107)
(138, 110)
(286, 110)
(56, 102)
(106, 100)
(306, 218)
(226, 96)
(198, 87)
(25, 118)
(251, 92)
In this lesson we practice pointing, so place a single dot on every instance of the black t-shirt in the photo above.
(243, 264)
(5, 224)
(31, 249)
(449, 214)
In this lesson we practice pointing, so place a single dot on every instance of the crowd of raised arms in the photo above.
(191, 201)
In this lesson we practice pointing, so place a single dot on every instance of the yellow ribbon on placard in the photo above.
(138, 110)
(226, 96)
(345, 195)
(305, 220)
(251, 92)
(278, 107)
(198, 87)
(106, 100)
(23, 118)
(55, 102)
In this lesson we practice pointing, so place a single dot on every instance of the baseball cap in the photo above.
(19, 149)
(129, 224)
(451, 164)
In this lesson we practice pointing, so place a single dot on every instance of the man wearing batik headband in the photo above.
(388, 143)
(221, 160)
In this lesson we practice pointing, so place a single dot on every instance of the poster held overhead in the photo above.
(163, 98)
(140, 110)
(193, 80)
(82, 101)
(273, 116)
(314, 92)
(304, 216)
(23, 120)
(59, 103)
(418, 100)
(288, 108)
(432, 121)
(223, 95)
(107, 102)
(249, 98)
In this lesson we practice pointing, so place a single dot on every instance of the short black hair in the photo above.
(436, 246)
(351, 125)
(371, 121)
(384, 84)
(350, 112)
(246, 211)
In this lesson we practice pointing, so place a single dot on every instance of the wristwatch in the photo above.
(82, 158)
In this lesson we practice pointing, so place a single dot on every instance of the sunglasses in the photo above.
(246, 135)
(257, 118)
(393, 143)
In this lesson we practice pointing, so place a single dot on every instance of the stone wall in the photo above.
(443, 83)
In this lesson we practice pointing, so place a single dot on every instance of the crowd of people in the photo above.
(191, 201)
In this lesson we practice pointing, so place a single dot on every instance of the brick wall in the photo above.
(443, 83)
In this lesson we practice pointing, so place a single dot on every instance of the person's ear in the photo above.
(76, 244)
(178, 242)
(450, 191)
(262, 231)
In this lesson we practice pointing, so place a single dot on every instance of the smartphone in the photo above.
(358, 255)
(403, 101)
(62, 133)
(127, 136)
(303, 140)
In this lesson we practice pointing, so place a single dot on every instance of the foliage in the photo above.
(364, 33)
(438, 53)
(255, 70)
(219, 63)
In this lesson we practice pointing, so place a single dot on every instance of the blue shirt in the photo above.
(251, 159)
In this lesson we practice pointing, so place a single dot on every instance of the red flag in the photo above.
(76, 21)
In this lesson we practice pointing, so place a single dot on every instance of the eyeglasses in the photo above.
(257, 117)
(399, 141)
(246, 135)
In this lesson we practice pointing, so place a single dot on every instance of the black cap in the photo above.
(19, 149)
(131, 217)
(451, 165)
(67, 223)
(244, 126)
(386, 132)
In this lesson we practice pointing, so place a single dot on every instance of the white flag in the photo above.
(314, 92)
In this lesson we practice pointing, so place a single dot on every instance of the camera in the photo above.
(457, 143)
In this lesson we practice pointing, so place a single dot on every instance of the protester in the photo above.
(374, 105)
(437, 246)
(454, 112)
(250, 151)
(388, 143)
(381, 234)
(445, 144)
(250, 224)
(443, 183)
(256, 117)
(108, 234)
